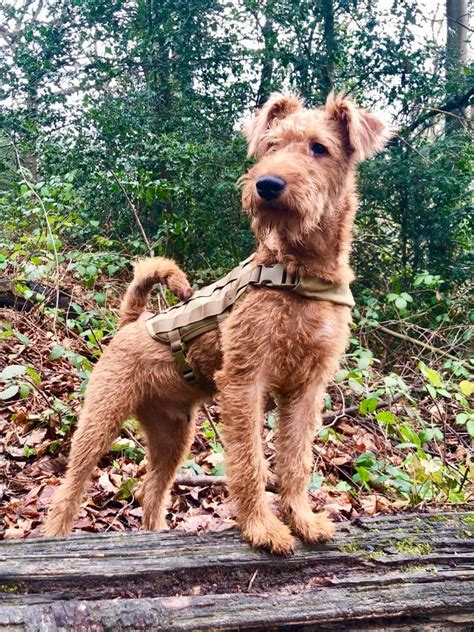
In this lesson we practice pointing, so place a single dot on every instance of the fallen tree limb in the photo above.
(400, 572)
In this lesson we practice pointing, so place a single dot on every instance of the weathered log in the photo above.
(401, 572)
(52, 297)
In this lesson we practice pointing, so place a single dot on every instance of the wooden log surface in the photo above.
(408, 572)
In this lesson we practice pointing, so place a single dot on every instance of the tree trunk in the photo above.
(457, 50)
(329, 44)
(266, 75)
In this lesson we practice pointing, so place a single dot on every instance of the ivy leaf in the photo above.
(315, 482)
(400, 303)
(57, 352)
(9, 392)
(461, 418)
(356, 387)
(14, 370)
(22, 338)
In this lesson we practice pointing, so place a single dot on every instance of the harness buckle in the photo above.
(178, 349)
(275, 276)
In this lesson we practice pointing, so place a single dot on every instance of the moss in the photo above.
(416, 568)
(438, 518)
(376, 555)
(412, 547)
(12, 588)
(464, 534)
(358, 549)
(351, 548)
(468, 518)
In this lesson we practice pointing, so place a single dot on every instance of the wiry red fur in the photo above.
(273, 342)
(147, 273)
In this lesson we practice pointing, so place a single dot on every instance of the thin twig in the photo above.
(211, 421)
(135, 213)
(414, 341)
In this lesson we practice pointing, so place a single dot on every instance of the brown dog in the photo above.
(301, 198)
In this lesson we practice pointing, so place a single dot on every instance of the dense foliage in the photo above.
(113, 110)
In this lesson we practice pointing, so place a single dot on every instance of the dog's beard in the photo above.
(294, 219)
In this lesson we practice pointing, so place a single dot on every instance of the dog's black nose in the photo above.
(270, 187)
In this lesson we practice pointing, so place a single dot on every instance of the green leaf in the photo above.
(363, 475)
(343, 486)
(9, 392)
(386, 417)
(22, 338)
(432, 375)
(466, 387)
(431, 391)
(27, 451)
(367, 406)
(219, 469)
(14, 370)
(366, 460)
(272, 421)
(461, 418)
(125, 491)
(341, 375)
(400, 303)
(315, 482)
(364, 362)
(356, 387)
(57, 352)
(470, 428)
(33, 375)
(24, 390)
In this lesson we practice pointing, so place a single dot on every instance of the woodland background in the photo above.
(113, 110)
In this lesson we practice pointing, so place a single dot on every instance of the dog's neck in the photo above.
(321, 252)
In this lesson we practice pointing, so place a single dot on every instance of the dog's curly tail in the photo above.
(147, 273)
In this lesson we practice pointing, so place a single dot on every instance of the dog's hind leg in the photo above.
(299, 416)
(108, 402)
(169, 433)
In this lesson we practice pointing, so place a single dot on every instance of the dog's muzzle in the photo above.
(270, 187)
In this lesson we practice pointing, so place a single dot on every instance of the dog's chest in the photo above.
(293, 336)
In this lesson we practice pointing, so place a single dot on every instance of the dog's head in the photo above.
(307, 160)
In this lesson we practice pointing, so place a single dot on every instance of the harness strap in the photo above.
(178, 349)
(203, 312)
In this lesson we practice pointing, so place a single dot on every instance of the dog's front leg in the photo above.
(242, 404)
(299, 416)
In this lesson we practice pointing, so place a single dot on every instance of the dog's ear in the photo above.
(275, 109)
(365, 133)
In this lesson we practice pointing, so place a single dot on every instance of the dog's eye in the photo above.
(318, 149)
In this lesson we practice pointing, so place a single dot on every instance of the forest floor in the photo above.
(394, 438)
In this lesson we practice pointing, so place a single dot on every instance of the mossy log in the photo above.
(409, 572)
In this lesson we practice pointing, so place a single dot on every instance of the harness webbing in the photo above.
(181, 323)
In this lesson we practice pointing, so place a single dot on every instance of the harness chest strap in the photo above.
(203, 312)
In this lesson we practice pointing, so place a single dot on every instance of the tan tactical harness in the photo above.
(203, 312)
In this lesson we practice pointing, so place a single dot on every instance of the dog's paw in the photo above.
(312, 527)
(269, 534)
